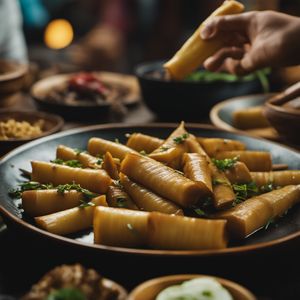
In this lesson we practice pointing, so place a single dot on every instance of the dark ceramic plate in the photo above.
(44, 149)
(125, 89)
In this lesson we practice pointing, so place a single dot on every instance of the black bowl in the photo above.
(191, 101)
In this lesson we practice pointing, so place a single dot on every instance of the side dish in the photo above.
(72, 282)
(12, 129)
(183, 192)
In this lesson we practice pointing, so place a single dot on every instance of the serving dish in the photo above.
(187, 100)
(149, 289)
(43, 149)
(126, 93)
(12, 77)
(221, 114)
(51, 124)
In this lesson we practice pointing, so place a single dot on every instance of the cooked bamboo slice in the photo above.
(98, 146)
(249, 118)
(277, 178)
(238, 173)
(223, 195)
(143, 142)
(87, 160)
(110, 166)
(120, 227)
(256, 212)
(147, 200)
(70, 220)
(195, 50)
(93, 180)
(254, 160)
(170, 152)
(161, 179)
(117, 197)
(44, 202)
(196, 168)
(214, 145)
(184, 233)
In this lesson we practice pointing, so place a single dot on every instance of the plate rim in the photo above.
(142, 252)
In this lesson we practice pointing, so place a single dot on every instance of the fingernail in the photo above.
(206, 32)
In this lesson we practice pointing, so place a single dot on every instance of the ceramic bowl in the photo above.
(12, 77)
(186, 100)
(148, 290)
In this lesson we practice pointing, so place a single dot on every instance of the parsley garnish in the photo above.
(66, 294)
(219, 181)
(244, 191)
(74, 163)
(99, 161)
(225, 164)
(200, 212)
(180, 139)
(84, 204)
(267, 187)
(62, 188)
(163, 148)
(29, 185)
(207, 293)
(143, 152)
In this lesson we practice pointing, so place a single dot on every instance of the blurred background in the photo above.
(114, 35)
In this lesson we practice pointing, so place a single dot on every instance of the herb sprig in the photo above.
(225, 164)
(74, 163)
(244, 191)
(29, 185)
(181, 138)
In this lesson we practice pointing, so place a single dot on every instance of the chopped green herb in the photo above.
(225, 164)
(200, 212)
(244, 191)
(62, 188)
(121, 202)
(219, 181)
(163, 148)
(267, 187)
(29, 185)
(84, 204)
(74, 163)
(66, 294)
(143, 152)
(180, 139)
(99, 161)
(207, 293)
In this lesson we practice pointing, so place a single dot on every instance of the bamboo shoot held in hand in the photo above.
(195, 50)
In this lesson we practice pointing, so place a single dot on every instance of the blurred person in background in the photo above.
(12, 42)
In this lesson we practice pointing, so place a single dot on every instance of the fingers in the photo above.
(238, 22)
(214, 62)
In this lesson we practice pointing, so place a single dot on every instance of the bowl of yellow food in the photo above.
(12, 76)
(20, 126)
(190, 286)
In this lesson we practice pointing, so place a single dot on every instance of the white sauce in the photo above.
(196, 289)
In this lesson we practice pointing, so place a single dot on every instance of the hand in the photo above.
(253, 40)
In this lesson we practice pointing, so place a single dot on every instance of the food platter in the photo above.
(287, 228)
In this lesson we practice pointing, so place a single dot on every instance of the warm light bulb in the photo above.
(58, 34)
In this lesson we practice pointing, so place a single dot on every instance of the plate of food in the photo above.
(20, 126)
(244, 113)
(86, 95)
(134, 190)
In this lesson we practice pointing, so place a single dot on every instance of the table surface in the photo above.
(23, 260)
